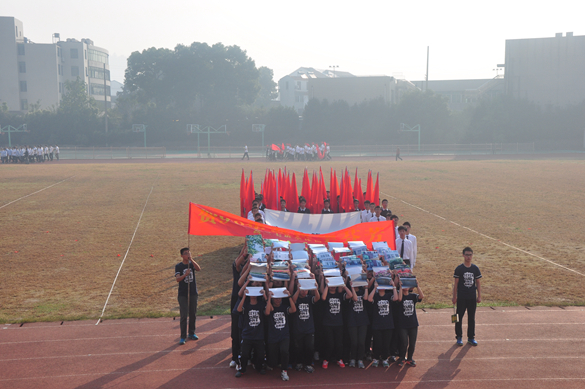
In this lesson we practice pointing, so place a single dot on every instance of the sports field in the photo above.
(65, 229)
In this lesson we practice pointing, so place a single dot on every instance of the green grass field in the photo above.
(60, 249)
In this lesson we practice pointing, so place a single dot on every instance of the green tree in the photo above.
(267, 91)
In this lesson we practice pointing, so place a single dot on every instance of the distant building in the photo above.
(355, 90)
(547, 71)
(463, 93)
(32, 72)
(293, 88)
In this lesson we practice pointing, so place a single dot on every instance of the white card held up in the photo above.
(309, 284)
(254, 291)
(360, 279)
(334, 281)
(351, 270)
(281, 255)
(334, 244)
(332, 273)
(278, 293)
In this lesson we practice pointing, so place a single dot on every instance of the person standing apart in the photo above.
(187, 293)
(246, 153)
(57, 152)
(398, 154)
(467, 284)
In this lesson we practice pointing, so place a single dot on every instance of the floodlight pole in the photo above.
(9, 130)
(405, 128)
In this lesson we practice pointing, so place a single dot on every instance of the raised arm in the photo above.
(268, 304)
(293, 307)
(241, 306)
(421, 295)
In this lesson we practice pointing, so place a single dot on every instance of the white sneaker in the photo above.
(233, 364)
(284, 375)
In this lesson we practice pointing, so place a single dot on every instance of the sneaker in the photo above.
(193, 337)
(352, 363)
(340, 363)
(472, 341)
(284, 375)
(459, 341)
(375, 363)
(325, 365)
(182, 341)
(299, 367)
(238, 374)
(401, 362)
(411, 363)
(392, 358)
(316, 356)
(361, 365)
(385, 363)
(309, 369)
(233, 364)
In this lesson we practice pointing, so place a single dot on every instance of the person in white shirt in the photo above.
(57, 152)
(254, 211)
(301, 153)
(404, 247)
(246, 153)
(365, 214)
(51, 150)
(328, 150)
(307, 152)
(378, 217)
(46, 153)
(412, 238)
(394, 218)
(4, 155)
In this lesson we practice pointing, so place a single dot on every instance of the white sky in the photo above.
(466, 38)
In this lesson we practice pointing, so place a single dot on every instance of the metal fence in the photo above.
(112, 152)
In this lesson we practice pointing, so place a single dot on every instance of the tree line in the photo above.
(221, 85)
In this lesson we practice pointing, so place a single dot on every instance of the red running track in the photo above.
(540, 347)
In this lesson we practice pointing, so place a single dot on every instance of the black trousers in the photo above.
(407, 337)
(278, 351)
(246, 155)
(304, 345)
(192, 314)
(357, 340)
(247, 347)
(382, 340)
(235, 334)
(333, 342)
(468, 305)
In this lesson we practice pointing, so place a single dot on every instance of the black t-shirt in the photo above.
(253, 319)
(304, 319)
(180, 269)
(278, 328)
(408, 311)
(357, 314)
(332, 315)
(382, 317)
(466, 287)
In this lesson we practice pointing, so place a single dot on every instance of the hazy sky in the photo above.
(466, 38)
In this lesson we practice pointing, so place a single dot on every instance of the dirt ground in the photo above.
(60, 248)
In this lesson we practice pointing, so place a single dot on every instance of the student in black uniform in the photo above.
(382, 322)
(333, 323)
(237, 268)
(185, 276)
(304, 328)
(408, 325)
(326, 207)
(279, 331)
(303, 207)
(467, 283)
(251, 308)
(357, 325)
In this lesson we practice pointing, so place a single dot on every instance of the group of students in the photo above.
(328, 325)
(29, 154)
(306, 152)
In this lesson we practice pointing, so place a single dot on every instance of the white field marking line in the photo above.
(125, 255)
(565, 379)
(555, 357)
(24, 197)
(174, 335)
(489, 237)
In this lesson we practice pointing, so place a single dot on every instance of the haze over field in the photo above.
(466, 39)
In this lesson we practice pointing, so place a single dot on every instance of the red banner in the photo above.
(205, 221)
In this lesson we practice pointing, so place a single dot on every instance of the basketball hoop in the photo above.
(258, 127)
(193, 128)
(138, 128)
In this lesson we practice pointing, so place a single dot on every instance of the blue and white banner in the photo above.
(311, 224)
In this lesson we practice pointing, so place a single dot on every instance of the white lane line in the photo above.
(488, 237)
(110, 337)
(125, 255)
(24, 197)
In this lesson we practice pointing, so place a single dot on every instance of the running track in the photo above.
(537, 347)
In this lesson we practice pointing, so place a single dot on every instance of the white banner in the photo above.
(311, 224)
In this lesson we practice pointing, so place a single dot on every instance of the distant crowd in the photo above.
(29, 154)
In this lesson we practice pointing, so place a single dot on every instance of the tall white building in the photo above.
(33, 73)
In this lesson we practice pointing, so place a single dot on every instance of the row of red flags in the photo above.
(281, 184)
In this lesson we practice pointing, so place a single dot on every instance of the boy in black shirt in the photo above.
(252, 335)
(304, 328)
(466, 284)
(279, 331)
(408, 324)
(187, 293)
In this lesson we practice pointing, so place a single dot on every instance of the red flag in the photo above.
(356, 187)
(361, 196)
(250, 194)
(320, 198)
(334, 193)
(293, 202)
(369, 189)
(314, 193)
(306, 190)
(349, 197)
(243, 204)
(323, 188)
(377, 191)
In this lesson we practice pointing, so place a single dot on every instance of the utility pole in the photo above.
(427, 76)
(106, 99)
